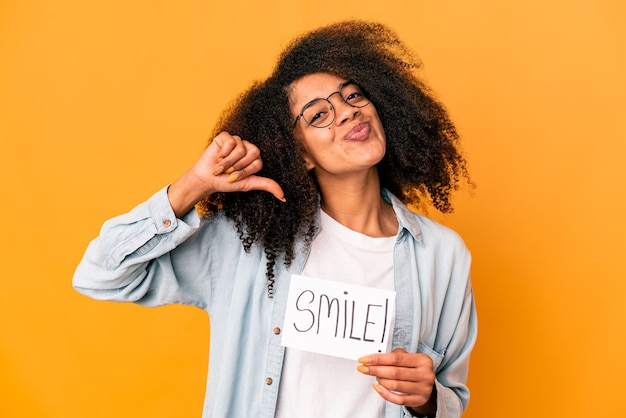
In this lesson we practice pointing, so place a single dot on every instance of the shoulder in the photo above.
(445, 246)
(443, 256)
(435, 233)
(429, 233)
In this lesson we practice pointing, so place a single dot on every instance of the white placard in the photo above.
(337, 319)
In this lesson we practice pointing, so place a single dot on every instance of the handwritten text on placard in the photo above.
(337, 319)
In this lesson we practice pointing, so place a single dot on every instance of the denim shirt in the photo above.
(149, 257)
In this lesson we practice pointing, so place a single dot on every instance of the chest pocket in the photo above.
(436, 357)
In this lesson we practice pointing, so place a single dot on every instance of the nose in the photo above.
(343, 111)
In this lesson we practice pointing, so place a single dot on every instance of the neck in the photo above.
(357, 204)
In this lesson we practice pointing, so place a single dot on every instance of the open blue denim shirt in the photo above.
(149, 257)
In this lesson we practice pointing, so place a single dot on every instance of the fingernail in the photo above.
(219, 159)
(282, 199)
(230, 170)
(363, 369)
(233, 177)
(365, 360)
(377, 388)
(218, 170)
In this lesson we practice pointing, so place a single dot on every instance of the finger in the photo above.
(408, 387)
(231, 148)
(398, 357)
(261, 183)
(422, 372)
(406, 374)
(248, 170)
(224, 142)
(400, 398)
(249, 164)
(399, 366)
(395, 358)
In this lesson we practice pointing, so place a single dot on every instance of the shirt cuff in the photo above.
(408, 414)
(163, 214)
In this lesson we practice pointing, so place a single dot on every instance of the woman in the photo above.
(308, 174)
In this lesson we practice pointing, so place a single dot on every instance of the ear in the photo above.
(308, 162)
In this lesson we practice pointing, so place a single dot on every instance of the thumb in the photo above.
(266, 184)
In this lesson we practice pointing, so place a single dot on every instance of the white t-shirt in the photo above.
(316, 385)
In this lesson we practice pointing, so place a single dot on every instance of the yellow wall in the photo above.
(104, 102)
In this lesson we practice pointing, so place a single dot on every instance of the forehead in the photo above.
(313, 86)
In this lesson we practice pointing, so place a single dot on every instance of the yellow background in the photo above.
(104, 102)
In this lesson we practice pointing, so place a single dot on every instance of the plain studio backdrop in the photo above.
(103, 103)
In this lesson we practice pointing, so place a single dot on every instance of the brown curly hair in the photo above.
(423, 162)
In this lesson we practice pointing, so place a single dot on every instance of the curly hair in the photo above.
(422, 163)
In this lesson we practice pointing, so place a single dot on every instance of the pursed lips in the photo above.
(359, 132)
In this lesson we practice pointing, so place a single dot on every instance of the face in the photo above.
(355, 140)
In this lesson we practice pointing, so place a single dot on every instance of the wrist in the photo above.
(184, 193)
(415, 414)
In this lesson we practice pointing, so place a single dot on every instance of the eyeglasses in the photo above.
(320, 113)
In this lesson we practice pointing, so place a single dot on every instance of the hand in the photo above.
(403, 378)
(227, 165)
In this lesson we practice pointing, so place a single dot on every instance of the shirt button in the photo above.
(167, 223)
(276, 330)
(269, 381)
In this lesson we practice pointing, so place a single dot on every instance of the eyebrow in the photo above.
(341, 86)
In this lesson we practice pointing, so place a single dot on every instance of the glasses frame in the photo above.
(343, 99)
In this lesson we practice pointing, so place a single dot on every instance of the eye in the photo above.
(317, 116)
(353, 95)
(356, 96)
(317, 112)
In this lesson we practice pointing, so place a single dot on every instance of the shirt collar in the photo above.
(406, 219)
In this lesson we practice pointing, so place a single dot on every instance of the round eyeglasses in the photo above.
(320, 113)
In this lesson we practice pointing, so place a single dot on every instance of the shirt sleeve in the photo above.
(452, 392)
(130, 260)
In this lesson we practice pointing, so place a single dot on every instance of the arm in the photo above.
(438, 371)
(130, 257)
(410, 379)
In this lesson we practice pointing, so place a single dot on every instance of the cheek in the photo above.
(315, 139)
(316, 147)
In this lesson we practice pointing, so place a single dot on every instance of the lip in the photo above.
(359, 132)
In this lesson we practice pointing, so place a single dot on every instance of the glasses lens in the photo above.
(319, 113)
(354, 96)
